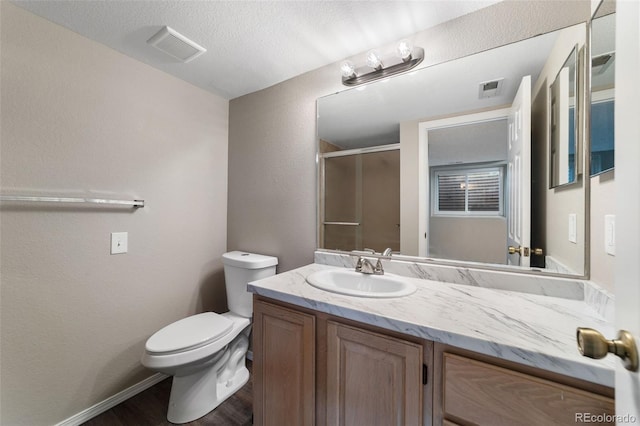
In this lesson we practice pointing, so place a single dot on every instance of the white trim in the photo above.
(366, 150)
(603, 96)
(112, 401)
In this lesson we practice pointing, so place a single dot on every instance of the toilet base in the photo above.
(196, 394)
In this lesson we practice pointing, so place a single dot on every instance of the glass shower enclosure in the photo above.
(360, 199)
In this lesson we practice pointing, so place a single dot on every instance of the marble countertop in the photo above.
(529, 329)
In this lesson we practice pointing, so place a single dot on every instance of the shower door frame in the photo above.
(321, 222)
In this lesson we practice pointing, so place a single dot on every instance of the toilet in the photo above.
(205, 353)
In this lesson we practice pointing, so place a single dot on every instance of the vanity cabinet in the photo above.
(311, 368)
(479, 390)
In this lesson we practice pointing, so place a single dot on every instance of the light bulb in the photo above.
(373, 60)
(405, 48)
(348, 69)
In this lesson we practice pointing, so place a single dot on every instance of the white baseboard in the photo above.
(112, 401)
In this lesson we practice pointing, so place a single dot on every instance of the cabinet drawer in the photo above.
(479, 393)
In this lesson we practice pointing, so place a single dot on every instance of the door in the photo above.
(283, 366)
(372, 379)
(627, 158)
(519, 176)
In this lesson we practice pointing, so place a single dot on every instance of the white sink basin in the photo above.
(345, 281)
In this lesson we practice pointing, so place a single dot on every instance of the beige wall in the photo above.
(272, 133)
(81, 119)
(603, 202)
(474, 239)
(409, 188)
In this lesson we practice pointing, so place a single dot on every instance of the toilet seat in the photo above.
(189, 333)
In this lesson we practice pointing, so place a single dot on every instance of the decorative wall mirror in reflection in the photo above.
(563, 123)
(420, 163)
(603, 55)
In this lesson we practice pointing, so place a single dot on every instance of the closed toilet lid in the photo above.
(189, 333)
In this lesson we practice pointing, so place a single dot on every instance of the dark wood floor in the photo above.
(149, 408)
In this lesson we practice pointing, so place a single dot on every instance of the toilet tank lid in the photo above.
(242, 259)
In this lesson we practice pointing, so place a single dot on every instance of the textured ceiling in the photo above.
(250, 45)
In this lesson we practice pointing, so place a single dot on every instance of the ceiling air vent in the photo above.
(176, 45)
(600, 63)
(489, 89)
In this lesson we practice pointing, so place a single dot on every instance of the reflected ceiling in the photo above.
(448, 88)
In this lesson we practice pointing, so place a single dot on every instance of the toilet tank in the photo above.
(240, 268)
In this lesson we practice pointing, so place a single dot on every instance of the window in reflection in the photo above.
(468, 192)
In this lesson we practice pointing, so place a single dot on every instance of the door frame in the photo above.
(627, 232)
(424, 184)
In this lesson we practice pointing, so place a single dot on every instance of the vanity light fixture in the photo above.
(407, 57)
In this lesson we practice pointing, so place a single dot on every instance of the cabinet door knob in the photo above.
(593, 344)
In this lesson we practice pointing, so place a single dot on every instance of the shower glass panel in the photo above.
(361, 200)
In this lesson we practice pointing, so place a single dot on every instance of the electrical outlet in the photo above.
(119, 242)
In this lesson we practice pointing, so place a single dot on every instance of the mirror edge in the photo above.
(578, 109)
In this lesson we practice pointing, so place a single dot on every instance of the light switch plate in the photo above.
(610, 234)
(573, 228)
(119, 242)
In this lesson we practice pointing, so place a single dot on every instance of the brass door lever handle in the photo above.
(593, 344)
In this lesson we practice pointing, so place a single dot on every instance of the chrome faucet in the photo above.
(364, 266)
(387, 252)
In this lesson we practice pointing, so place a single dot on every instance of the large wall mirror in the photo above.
(451, 163)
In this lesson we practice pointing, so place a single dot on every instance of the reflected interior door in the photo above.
(627, 226)
(519, 175)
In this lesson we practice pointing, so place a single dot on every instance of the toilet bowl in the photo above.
(205, 353)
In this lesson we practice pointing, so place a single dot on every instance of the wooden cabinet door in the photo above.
(283, 366)
(372, 379)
